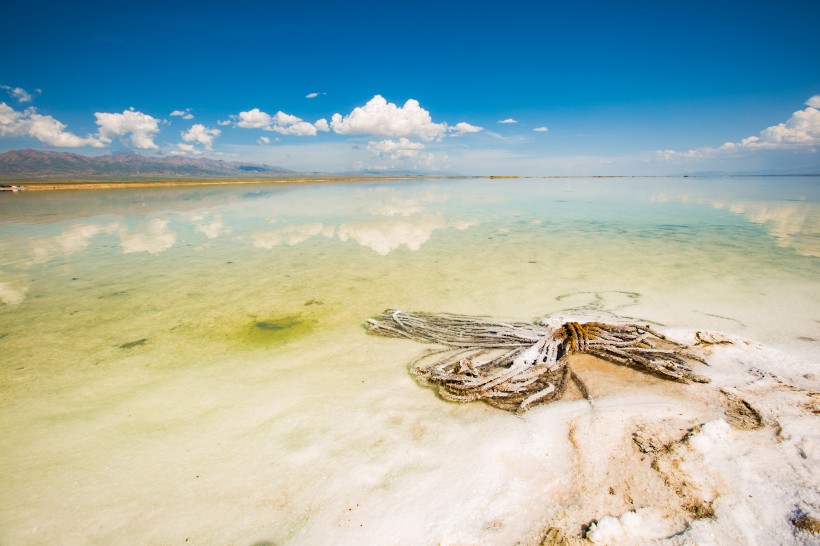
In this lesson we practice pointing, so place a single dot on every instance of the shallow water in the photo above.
(190, 362)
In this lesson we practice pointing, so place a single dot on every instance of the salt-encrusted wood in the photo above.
(514, 365)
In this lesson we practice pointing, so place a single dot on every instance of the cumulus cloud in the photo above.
(138, 127)
(800, 131)
(254, 119)
(282, 123)
(508, 120)
(11, 121)
(286, 124)
(462, 128)
(322, 125)
(49, 130)
(802, 128)
(814, 102)
(184, 114)
(223, 122)
(263, 140)
(46, 129)
(540, 129)
(185, 149)
(200, 134)
(19, 93)
(381, 118)
(402, 148)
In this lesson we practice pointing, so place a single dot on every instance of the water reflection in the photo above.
(77, 238)
(209, 224)
(155, 239)
(382, 235)
(794, 224)
(386, 235)
(12, 293)
(70, 241)
(290, 235)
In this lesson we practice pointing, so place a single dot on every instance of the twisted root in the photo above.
(514, 366)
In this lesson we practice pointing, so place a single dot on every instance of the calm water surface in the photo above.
(190, 363)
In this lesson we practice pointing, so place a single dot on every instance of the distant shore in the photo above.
(86, 184)
(118, 184)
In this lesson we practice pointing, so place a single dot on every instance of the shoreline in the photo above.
(124, 184)
(17, 185)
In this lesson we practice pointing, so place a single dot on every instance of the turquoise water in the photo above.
(190, 362)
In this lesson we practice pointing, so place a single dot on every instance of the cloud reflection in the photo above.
(210, 225)
(290, 235)
(382, 235)
(795, 224)
(11, 294)
(386, 235)
(70, 241)
(155, 239)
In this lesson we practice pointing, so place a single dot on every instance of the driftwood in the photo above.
(515, 366)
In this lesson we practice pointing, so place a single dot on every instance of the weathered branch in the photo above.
(514, 366)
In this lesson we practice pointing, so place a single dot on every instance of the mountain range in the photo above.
(35, 164)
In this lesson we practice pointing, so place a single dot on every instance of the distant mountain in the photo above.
(35, 164)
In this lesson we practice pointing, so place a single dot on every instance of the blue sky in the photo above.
(636, 88)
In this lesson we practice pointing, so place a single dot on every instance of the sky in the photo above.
(524, 88)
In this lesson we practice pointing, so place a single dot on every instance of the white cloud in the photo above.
(540, 129)
(201, 134)
(311, 95)
(395, 149)
(263, 140)
(381, 118)
(802, 128)
(49, 130)
(282, 123)
(18, 93)
(286, 124)
(46, 129)
(223, 122)
(184, 114)
(814, 102)
(322, 125)
(462, 128)
(11, 121)
(141, 128)
(508, 120)
(800, 131)
(254, 119)
(186, 149)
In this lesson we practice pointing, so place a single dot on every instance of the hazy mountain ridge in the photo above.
(35, 164)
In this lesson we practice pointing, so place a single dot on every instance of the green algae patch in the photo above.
(277, 330)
